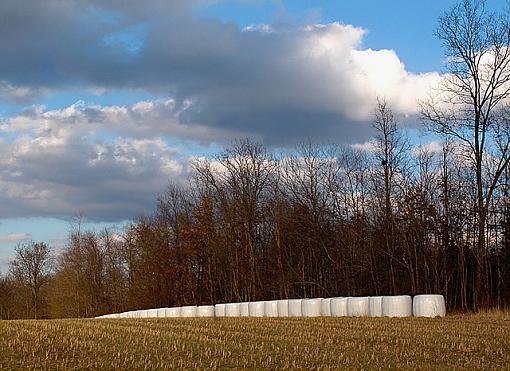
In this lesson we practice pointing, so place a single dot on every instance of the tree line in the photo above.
(321, 220)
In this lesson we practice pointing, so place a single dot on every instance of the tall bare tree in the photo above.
(31, 268)
(390, 150)
(468, 105)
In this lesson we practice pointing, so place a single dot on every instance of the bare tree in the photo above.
(31, 268)
(467, 108)
(240, 182)
(390, 150)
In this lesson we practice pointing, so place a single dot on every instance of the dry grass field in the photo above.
(454, 342)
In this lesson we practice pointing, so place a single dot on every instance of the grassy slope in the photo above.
(328, 343)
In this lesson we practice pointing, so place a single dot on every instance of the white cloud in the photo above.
(432, 147)
(368, 146)
(15, 237)
(278, 83)
(145, 119)
(19, 94)
(87, 159)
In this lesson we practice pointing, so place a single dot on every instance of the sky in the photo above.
(104, 102)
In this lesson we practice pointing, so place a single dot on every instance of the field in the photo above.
(454, 342)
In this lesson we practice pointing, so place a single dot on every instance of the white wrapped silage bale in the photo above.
(397, 306)
(295, 307)
(205, 311)
(219, 310)
(256, 308)
(311, 307)
(326, 307)
(173, 312)
(245, 309)
(152, 313)
(161, 312)
(131, 314)
(357, 307)
(271, 308)
(189, 311)
(338, 307)
(429, 306)
(138, 313)
(233, 310)
(144, 313)
(375, 306)
(283, 308)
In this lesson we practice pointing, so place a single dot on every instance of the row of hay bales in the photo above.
(370, 306)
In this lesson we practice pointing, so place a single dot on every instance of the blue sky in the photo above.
(98, 119)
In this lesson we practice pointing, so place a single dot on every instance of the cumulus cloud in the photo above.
(276, 83)
(144, 119)
(64, 162)
(216, 81)
(18, 94)
(15, 237)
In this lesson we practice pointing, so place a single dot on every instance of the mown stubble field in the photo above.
(454, 342)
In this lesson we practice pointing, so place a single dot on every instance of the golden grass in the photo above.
(454, 342)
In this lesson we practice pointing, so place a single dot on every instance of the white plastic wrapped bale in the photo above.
(219, 310)
(311, 307)
(375, 306)
(161, 312)
(429, 306)
(256, 309)
(245, 309)
(326, 307)
(283, 308)
(152, 313)
(144, 313)
(338, 307)
(233, 310)
(189, 311)
(173, 312)
(397, 306)
(357, 307)
(295, 307)
(271, 308)
(137, 313)
(205, 311)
